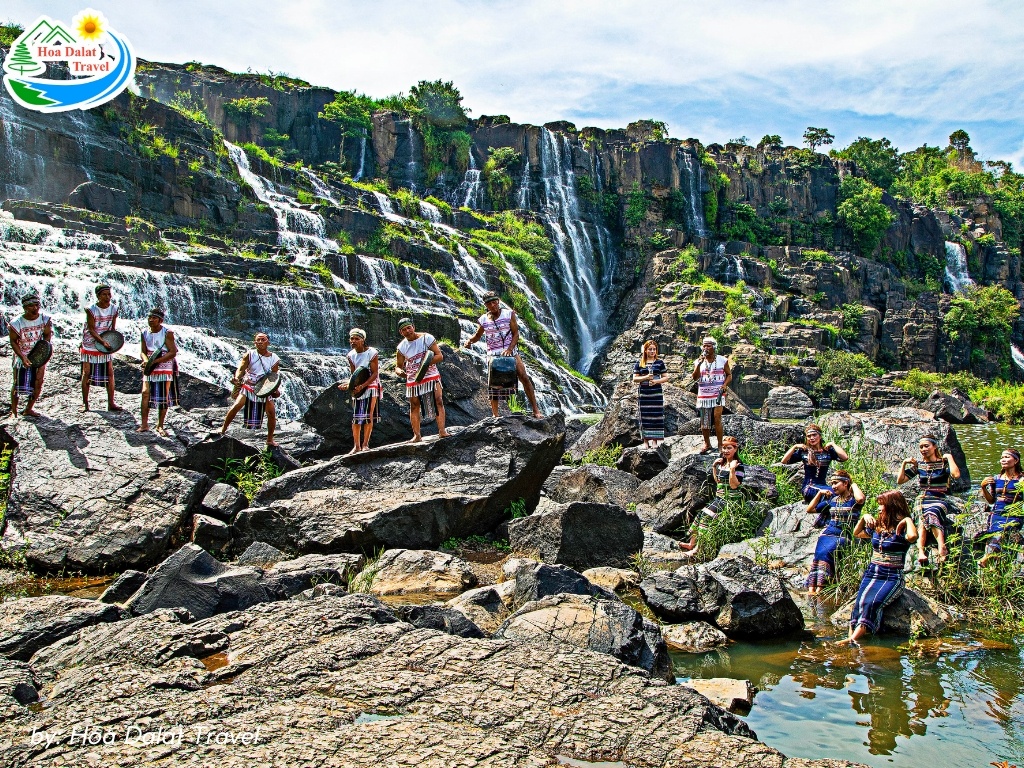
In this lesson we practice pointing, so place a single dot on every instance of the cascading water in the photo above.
(1017, 355)
(469, 192)
(411, 167)
(957, 276)
(694, 182)
(430, 212)
(321, 189)
(361, 171)
(523, 193)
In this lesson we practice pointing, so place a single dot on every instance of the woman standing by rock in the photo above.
(649, 373)
(891, 533)
(365, 396)
(845, 502)
(936, 473)
(727, 472)
(817, 459)
(1006, 493)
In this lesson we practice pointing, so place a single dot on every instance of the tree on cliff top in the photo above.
(647, 130)
(351, 112)
(861, 209)
(879, 159)
(817, 137)
(437, 103)
(770, 141)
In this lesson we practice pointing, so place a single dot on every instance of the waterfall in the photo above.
(362, 159)
(430, 212)
(411, 170)
(469, 190)
(523, 193)
(694, 182)
(734, 271)
(1017, 355)
(957, 275)
(388, 211)
(321, 189)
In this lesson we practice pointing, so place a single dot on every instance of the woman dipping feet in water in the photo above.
(817, 459)
(891, 533)
(727, 472)
(936, 473)
(1006, 493)
(845, 502)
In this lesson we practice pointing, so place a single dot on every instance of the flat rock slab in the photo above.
(591, 482)
(411, 495)
(731, 695)
(31, 623)
(693, 637)
(615, 579)
(580, 534)
(408, 571)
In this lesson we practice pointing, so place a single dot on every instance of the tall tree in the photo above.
(817, 137)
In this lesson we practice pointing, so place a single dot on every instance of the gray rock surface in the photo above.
(591, 482)
(439, 617)
(542, 579)
(192, 579)
(123, 587)
(581, 534)
(487, 607)
(693, 637)
(615, 579)
(260, 553)
(955, 407)
(412, 495)
(742, 599)
(408, 571)
(644, 463)
(290, 577)
(787, 403)
(730, 694)
(752, 431)
(910, 614)
(211, 534)
(223, 501)
(605, 626)
(17, 682)
(31, 623)
(792, 535)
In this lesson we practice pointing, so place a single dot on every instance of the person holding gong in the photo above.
(160, 371)
(364, 385)
(251, 377)
(418, 355)
(26, 332)
(96, 352)
(500, 329)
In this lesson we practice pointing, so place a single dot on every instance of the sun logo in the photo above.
(90, 25)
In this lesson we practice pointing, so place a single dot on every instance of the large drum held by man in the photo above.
(501, 374)
(267, 385)
(40, 353)
(113, 339)
(359, 376)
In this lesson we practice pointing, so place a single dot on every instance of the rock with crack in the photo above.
(411, 571)
(643, 462)
(211, 534)
(792, 538)
(955, 407)
(580, 534)
(591, 482)
(123, 587)
(303, 671)
(223, 502)
(259, 553)
(17, 682)
(911, 614)
(487, 607)
(440, 617)
(741, 598)
(290, 577)
(606, 626)
(413, 495)
(693, 637)
(31, 623)
(615, 579)
(730, 694)
(540, 580)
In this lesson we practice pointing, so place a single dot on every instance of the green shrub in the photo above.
(246, 109)
(919, 384)
(441, 205)
(852, 313)
(1004, 399)
(248, 474)
(636, 206)
(191, 106)
(862, 211)
(257, 151)
(496, 175)
(840, 370)
(738, 521)
(605, 457)
(824, 257)
(9, 32)
(984, 315)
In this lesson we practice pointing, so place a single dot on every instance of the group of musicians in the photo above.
(256, 380)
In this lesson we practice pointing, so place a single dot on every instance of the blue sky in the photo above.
(912, 71)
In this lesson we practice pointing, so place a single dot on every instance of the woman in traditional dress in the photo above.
(160, 385)
(649, 373)
(25, 332)
(935, 473)
(256, 364)
(727, 472)
(891, 532)
(97, 361)
(1006, 493)
(365, 396)
(817, 459)
(845, 502)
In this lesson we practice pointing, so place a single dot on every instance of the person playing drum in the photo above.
(412, 350)
(500, 329)
(97, 361)
(365, 396)
(253, 366)
(25, 332)
(160, 382)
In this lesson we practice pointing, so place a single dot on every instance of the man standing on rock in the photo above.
(25, 331)
(500, 330)
(256, 364)
(712, 374)
(97, 362)
(411, 351)
(160, 382)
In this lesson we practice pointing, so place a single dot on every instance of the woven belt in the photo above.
(888, 559)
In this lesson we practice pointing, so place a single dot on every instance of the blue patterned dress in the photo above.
(842, 517)
(931, 508)
(651, 401)
(883, 579)
(1005, 519)
(815, 474)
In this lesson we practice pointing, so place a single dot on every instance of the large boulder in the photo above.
(123, 587)
(742, 599)
(581, 534)
(31, 623)
(16, 682)
(605, 626)
(787, 403)
(487, 607)
(440, 617)
(730, 694)
(643, 462)
(410, 496)
(591, 482)
(223, 502)
(410, 571)
(752, 432)
(892, 435)
(911, 614)
(693, 637)
(192, 579)
(290, 577)
(791, 539)
(955, 407)
(532, 582)
(322, 663)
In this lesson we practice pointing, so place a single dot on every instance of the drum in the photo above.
(360, 376)
(501, 373)
(151, 363)
(40, 353)
(267, 385)
(428, 360)
(113, 339)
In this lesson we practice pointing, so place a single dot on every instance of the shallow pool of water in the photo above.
(984, 443)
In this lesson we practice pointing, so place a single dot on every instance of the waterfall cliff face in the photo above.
(957, 275)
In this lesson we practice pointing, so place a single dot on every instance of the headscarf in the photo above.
(30, 298)
(710, 340)
(491, 297)
(101, 288)
(156, 312)
(404, 322)
(357, 333)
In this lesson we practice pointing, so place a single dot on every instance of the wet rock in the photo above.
(96, 197)
(487, 607)
(615, 579)
(731, 695)
(787, 403)
(591, 482)
(290, 577)
(693, 637)
(408, 571)
(31, 623)
(542, 580)
(581, 535)
(955, 407)
(414, 495)
(742, 599)
(439, 617)
(260, 553)
(123, 587)
(911, 614)
(223, 501)
(192, 579)
(210, 533)
(17, 682)
(892, 434)
(586, 622)
(644, 463)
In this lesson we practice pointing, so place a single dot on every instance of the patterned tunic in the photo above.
(711, 381)
(842, 517)
(103, 320)
(651, 401)
(497, 335)
(1005, 518)
(163, 381)
(931, 507)
(30, 332)
(414, 351)
(364, 409)
(723, 495)
(816, 471)
(883, 579)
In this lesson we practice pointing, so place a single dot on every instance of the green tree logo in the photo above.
(21, 61)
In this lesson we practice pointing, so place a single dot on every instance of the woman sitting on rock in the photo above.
(1006, 493)
(649, 373)
(817, 459)
(845, 502)
(891, 533)
(936, 473)
(727, 472)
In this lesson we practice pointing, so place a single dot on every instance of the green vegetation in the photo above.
(984, 315)
(768, 455)
(741, 222)
(636, 206)
(496, 176)
(771, 142)
(362, 581)
(1002, 398)
(441, 205)
(523, 243)
(647, 130)
(516, 509)
(191, 106)
(717, 181)
(812, 254)
(246, 109)
(852, 313)
(475, 543)
(920, 384)
(862, 211)
(841, 370)
(817, 137)
(605, 457)
(739, 520)
(6, 452)
(248, 474)
(879, 160)
(9, 32)
(257, 151)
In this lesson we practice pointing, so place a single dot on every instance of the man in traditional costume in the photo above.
(160, 384)
(25, 332)
(426, 392)
(365, 396)
(97, 361)
(254, 365)
(712, 374)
